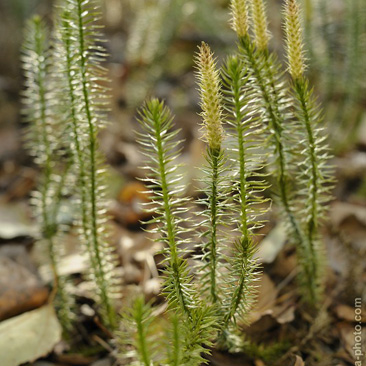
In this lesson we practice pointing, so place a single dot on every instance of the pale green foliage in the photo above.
(44, 143)
(302, 192)
(81, 76)
(153, 27)
(336, 43)
(210, 94)
(197, 319)
(65, 103)
(248, 139)
(164, 184)
(223, 289)
(293, 143)
(314, 177)
(294, 44)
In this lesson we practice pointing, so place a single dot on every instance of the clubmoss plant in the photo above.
(81, 78)
(247, 136)
(240, 17)
(70, 71)
(223, 288)
(156, 121)
(253, 93)
(44, 143)
(261, 34)
(269, 93)
(265, 116)
(315, 177)
(137, 346)
(197, 319)
(284, 136)
(213, 134)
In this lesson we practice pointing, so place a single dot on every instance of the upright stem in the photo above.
(141, 336)
(48, 227)
(238, 294)
(312, 220)
(101, 275)
(214, 155)
(169, 217)
(275, 119)
(76, 135)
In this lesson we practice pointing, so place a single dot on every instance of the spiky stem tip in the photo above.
(239, 17)
(260, 24)
(294, 42)
(211, 98)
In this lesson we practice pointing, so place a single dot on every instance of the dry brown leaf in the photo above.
(285, 314)
(346, 312)
(347, 331)
(340, 211)
(20, 289)
(29, 336)
(272, 244)
(14, 221)
(299, 361)
(267, 294)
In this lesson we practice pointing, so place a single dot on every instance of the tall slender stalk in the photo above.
(211, 104)
(44, 145)
(198, 321)
(262, 75)
(316, 179)
(83, 74)
(156, 121)
(245, 132)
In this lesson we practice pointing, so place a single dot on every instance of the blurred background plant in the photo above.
(151, 42)
(336, 43)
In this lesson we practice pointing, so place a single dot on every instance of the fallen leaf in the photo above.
(340, 211)
(141, 248)
(272, 244)
(267, 294)
(348, 337)
(20, 289)
(285, 314)
(218, 358)
(346, 312)
(129, 209)
(299, 361)
(68, 265)
(14, 221)
(29, 336)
